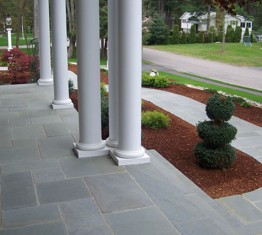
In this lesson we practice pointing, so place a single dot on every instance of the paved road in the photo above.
(242, 76)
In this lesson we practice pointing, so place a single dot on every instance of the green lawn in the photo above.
(235, 53)
(230, 91)
(4, 41)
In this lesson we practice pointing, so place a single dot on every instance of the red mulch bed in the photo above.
(177, 142)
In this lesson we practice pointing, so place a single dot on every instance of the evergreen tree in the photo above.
(246, 32)
(176, 34)
(237, 34)
(158, 32)
(230, 34)
(192, 35)
(183, 39)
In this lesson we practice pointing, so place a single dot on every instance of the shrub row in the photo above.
(157, 81)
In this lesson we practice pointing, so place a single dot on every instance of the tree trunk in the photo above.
(70, 6)
(208, 16)
(36, 23)
(224, 32)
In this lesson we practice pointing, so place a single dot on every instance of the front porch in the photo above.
(46, 189)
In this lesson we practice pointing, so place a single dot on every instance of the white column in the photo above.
(129, 149)
(9, 38)
(90, 142)
(113, 72)
(44, 45)
(59, 46)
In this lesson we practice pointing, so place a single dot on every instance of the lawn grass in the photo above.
(235, 53)
(230, 91)
(4, 41)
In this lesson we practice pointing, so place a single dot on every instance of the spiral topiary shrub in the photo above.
(220, 108)
(214, 151)
(216, 135)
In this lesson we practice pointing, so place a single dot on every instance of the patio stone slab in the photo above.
(81, 214)
(53, 147)
(20, 122)
(18, 191)
(24, 143)
(242, 208)
(31, 215)
(103, 230)
(28, 132)
(47, 175)
(10, 155)
(40, 229)
(64, 190)
(46, 120)
(140, 222)
(89, 166)
(30, 165)
(116, 192)
(56, 129)
(201, 227)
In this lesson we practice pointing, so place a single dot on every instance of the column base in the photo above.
(129, 161)
(45, 82)
(111, 143)
(90, 153)
(67, 104)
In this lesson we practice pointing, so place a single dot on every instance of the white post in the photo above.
(9, 37)
(90, 142)
(44, 44)
(59, 45)
(129, 149)
(113, 72)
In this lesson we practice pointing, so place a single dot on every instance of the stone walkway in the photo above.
(45, 189)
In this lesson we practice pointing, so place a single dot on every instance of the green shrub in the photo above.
(70, 86)
(220, 108)
(238, 34)
(104, 112)
(175, 35)
(215, 158)
(209, 90)
(230, 34)
(183, 39)
(216, 135)
(155, 120)
(157, 81)
(214, 151)
(192, 35)
(103, 90)
(245, 104)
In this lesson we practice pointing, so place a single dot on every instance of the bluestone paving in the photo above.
(140, 222)
(39, 229)
(31, 215)
(96, 197)
(102, 230)
(116, 192)
(59, 191)
(89, 166)
(18, 191)
(86, 212)
(48, 175)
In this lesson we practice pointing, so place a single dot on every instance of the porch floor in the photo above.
(45, 189)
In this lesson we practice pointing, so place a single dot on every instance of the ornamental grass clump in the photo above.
(215, 151)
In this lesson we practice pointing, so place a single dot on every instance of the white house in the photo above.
(200, 20)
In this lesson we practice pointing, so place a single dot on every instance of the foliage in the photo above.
(176, 34)
(155, 120)
(104, 107)
(201, 37)
(183, 38)
(220, 108)
(246, 32)
(214, 151)
(230, 34)
(212, 32)
(192, 35)
(237, 34)
(157, 81)
(70, 86)
(216, 135)
(214, 158)
(158, 32)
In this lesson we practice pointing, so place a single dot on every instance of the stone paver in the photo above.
(59, 191)
(18, 191)
(116, 192)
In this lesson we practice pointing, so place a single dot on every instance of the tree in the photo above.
(175, 34)
(158, 31)
(71, 15)
(192, 35)
(103, 27)
(230, 34)
(36, 23)
(237, 34)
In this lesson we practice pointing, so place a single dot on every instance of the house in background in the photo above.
(200, 20)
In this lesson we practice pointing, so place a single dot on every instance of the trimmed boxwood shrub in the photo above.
(214, 151)
(216, 135)
(220, 108)
(157, 81)
(155, 120)
(214, 158)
